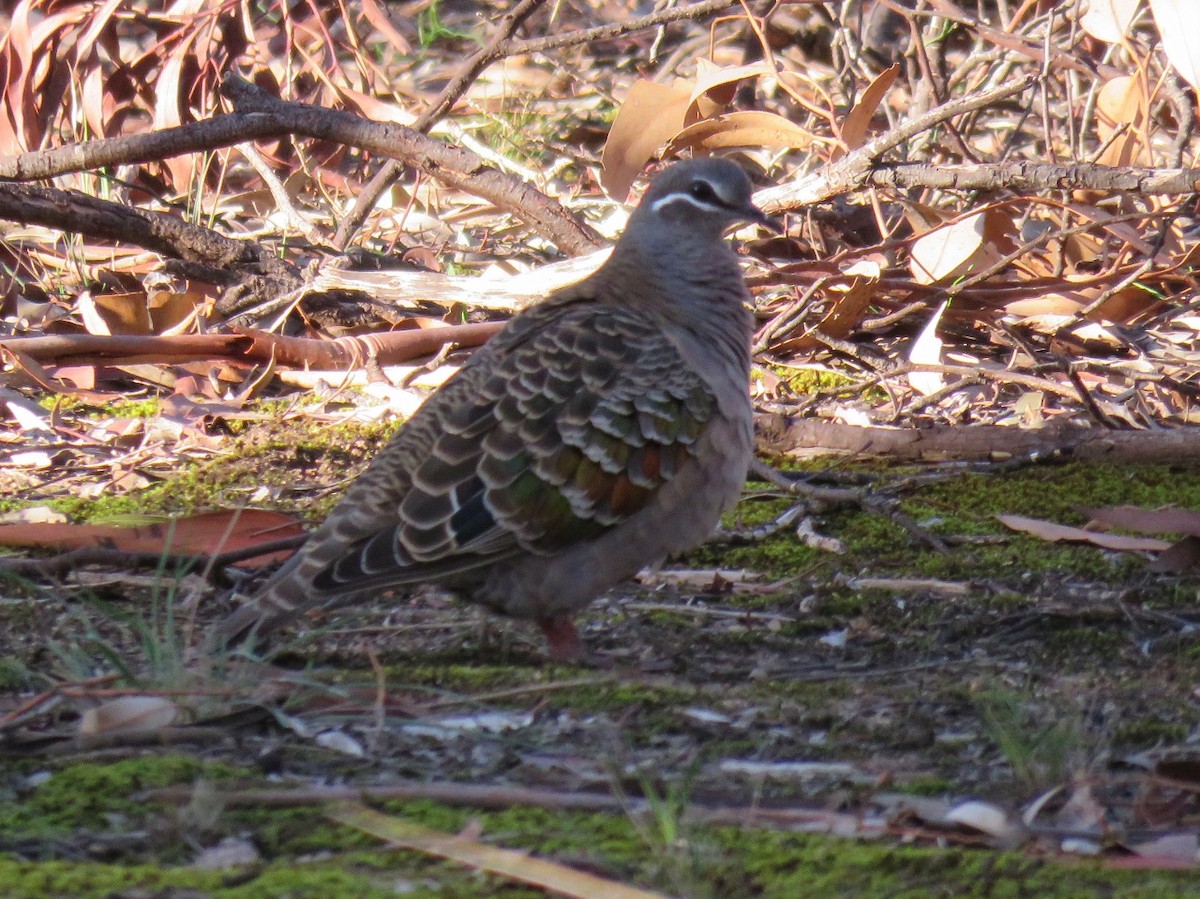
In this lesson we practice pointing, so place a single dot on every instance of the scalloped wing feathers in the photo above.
(570, 427)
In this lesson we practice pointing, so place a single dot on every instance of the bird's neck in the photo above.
(694, 288)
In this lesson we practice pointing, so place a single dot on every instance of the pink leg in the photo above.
(563, 640)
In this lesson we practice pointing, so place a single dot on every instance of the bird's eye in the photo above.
(702, 190)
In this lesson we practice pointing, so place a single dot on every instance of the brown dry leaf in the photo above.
(167, 93)
(989, 819)
(374, 108)
(858, 120)
(127, 715)
(171, 311)
(1148, 521)
(715, 87)
(380, 21)
(1049, 304)
(96, 102)
(1048, 530)
(1108, 20)
(743, 129)
(1122, 101)
(1127, 304)
(848, 302)
(650, 116)
(120, 313)
(33, 95)
(207, 532)
(1184, 769)
(520, 866)
(81, 377)
(1178, 24)
(1121, 104)
(28, 415)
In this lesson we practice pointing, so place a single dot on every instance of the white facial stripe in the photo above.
(676, 197)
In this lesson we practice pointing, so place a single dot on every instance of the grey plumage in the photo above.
(604, 428)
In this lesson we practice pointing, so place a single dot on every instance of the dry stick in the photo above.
(452, 166)
(780, 433)
(343, 353)
(1086, 399)
(459, 168)
(861, 169)
(504, 797)
(860, 497)
(260, 116)
(484, 57)
(74, 212)
(1017, 44)
(1036, 176)
(851, 170)
(1002, 375)
(294, 217)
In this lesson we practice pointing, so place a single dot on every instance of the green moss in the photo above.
(782, 866)
(698, 861)
(928, 785)
(1149, 733)
(804, 381)
(147, 407)
(291, 456)
(967, 506)
(81, 795)
(465, 679)
(375, 875)
(13, 675)
(77, 879)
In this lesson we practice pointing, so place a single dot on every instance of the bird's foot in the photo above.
(563, 640)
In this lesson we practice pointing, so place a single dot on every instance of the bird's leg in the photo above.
(562, 638)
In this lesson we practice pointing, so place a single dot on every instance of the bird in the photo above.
(603, 429)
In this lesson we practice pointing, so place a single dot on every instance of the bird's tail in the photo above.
(279, 601)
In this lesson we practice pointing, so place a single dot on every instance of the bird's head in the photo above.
(704, 197)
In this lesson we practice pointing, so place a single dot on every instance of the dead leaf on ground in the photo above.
(743, 129)
(1048, 530)
(650, 116)
(128, 714)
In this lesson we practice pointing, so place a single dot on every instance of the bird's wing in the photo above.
(577, 417)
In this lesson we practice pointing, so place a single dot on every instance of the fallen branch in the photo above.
(1037, 176)
(782, 434)
(77, 213)
(261, 116)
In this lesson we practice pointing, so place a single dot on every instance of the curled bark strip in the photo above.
(344, 353)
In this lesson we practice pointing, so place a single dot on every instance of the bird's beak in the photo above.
(758, 217)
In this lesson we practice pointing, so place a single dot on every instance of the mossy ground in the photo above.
(936, 694)
(305, 855)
